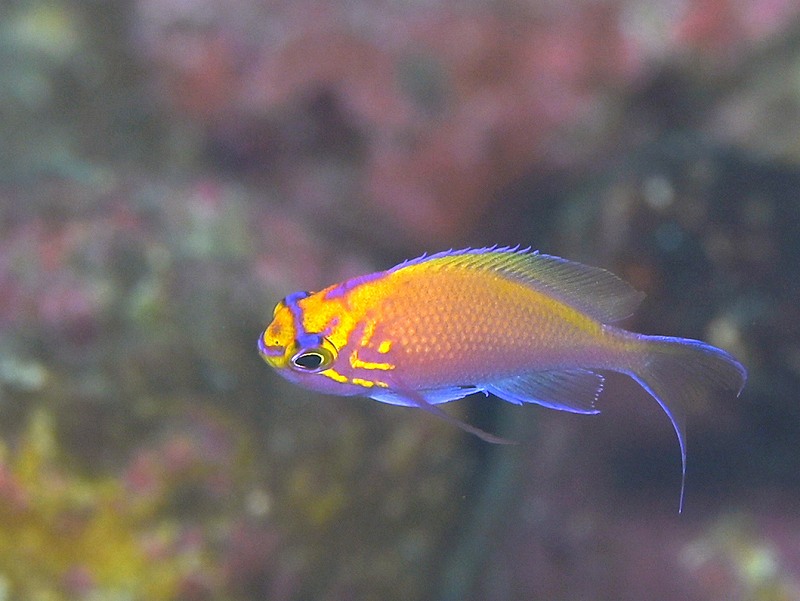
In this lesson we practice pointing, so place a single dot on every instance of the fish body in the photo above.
(523, 326)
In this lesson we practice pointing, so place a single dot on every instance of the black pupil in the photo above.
(308, 360)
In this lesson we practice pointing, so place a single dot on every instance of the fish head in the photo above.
(285, 344)
(301, 348)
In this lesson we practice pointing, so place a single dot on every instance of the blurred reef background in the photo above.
(170, 169)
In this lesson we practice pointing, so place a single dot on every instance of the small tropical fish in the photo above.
(523, 326)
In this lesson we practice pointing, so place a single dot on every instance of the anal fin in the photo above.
(573, 390)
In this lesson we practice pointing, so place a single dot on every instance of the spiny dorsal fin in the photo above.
(591, 290)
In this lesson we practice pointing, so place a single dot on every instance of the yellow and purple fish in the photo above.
(523, 326)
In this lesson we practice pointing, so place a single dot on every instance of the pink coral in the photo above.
(451, 104)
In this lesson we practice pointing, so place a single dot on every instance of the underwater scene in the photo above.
(176, 176)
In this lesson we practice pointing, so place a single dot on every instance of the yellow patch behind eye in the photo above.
(334, 375)
(385, 346)
(357, 363)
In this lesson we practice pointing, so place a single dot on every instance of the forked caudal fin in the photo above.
(682, 374)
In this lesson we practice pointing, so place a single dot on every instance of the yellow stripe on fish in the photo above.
(523, 326)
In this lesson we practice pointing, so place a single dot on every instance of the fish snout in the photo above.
(271, 354)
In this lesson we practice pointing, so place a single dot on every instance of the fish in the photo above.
(523, 326)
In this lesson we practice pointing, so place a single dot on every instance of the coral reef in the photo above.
(66, 536)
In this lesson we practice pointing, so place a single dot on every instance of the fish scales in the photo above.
(473, 318)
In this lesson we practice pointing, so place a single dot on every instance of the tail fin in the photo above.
(682, 374)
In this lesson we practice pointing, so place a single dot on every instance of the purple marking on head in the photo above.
(345, 287)
(297, 313)
(303, 338)
(296, 296)
(306, 340)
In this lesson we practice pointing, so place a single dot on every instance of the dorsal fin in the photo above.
(591, 290)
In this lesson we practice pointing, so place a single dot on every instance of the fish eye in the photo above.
(316, 358)
(312, 360)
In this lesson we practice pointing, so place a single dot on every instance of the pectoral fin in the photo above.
(425, 400)
(433, 396)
